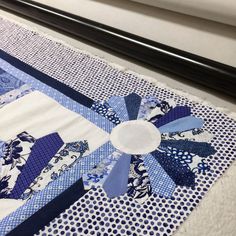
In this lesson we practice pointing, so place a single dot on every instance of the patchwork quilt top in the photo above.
(135, 162)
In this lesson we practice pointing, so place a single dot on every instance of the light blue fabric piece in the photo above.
(119, 106)
(55, 188)
(72, 105)
(117, 182)
(161, 183)
(182, 124)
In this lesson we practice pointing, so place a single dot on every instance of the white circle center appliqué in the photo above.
(136, 137)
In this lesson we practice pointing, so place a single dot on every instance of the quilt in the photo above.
(88, 149)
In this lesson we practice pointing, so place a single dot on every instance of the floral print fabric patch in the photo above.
(67, 156)
(14, 94)
(42, 152)
(14, 158)
(7, 83)
(139, 185)
(97, 176)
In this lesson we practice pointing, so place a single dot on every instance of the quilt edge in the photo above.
(151, 80)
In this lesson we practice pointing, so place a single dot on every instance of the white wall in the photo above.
(206, 38)
(217, 10)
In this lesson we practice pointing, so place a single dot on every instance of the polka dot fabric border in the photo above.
(94, 213)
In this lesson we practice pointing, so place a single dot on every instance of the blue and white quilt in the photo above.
(129, 164)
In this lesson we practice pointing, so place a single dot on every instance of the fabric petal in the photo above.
(198, 148)
(160, 110)
(197, 135)
(119, 106)
(146, 107)
(184, 157)
(105, 110)
(152, 109)
(182, 124)
(133, 102)
(173, 114)
(179, 173)
(98, 175)
(42, 152)
(139, 186)
(116, 183)
(194, 162)
(161, 183)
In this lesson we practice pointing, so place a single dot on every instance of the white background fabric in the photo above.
(9, 205)
(40, 115)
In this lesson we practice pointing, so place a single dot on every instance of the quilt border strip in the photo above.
(66, 90)
(54, 207)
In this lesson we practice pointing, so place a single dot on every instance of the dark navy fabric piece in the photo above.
(42, 152)
(173, 114)
(180, 174)
(117, 181)
(201, 149)
(69, 92)
(50, 211)
(105, 110)
(133, 102)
